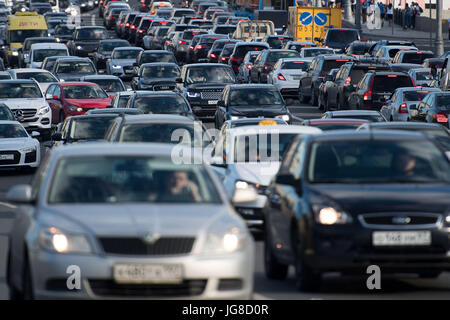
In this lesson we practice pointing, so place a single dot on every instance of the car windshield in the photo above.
(360, 49)
(424, 75)
(227, 50)
(210, 75)
(415, 95)
(40, 54)
(125, 54)
(109, 85)
(161, 104)
(277, 42)
(415, 57)
(157, 57)
(275, 56)
(388, 83)
(123, 179)
(333, 64)
(83, 92)
(64, 30)
(110, 46)
(188, 35)
(38, 76)
(443, 102)
(21, 35)
(375, 161)
(173, 133)
(11, 130)
(160, 72)
(89, 128)
(263, 147)
(53, 23)
(342, 36)
(75, 67)
(91, 34)
(241, 51)
(296, 65)
(255, 97)
(315, 52)
(14, 90)
(123, 101)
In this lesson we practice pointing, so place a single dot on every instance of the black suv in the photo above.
(376, 87)
(310, 82)
(216, 49)
(277, 41)
(86, 40)
(336, 92)
(339, 38)
(202, 85)
(201, 49)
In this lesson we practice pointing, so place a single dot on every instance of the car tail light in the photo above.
(199, 47)
(248, 66)
(212, 55)
(144, 5)
(101, 2)
(167, 42)
(133, 27)
(127, 24)
(141, 31)
(191, 47)
(367, 95)
(441, 118)
(412, 81)
(348, 81)
(281, 77)
(267, 67)
(223, 58)
(111, 18)
(121, 24)
(403, 108)
(181, 42)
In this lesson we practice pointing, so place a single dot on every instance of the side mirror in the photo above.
(218, 162)
(35, 134)
(57, 136)
(246, 195)
(178, 80)
(289, 180)
(20, 194)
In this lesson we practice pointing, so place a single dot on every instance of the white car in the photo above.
(244, 162)
(286, 74)
(39, 51)
(388, 52)
(122, 61)
(43, 77)
(26, 101)
(422, 76)
(17, 148)
(310, 53)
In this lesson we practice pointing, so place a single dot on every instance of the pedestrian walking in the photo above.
(389, 13)
(353, 6)
(364, 10)
(382, 8)
(406, 17)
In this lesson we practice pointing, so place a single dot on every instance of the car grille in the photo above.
(136, 246)
(161, 87)
(24, 113)
(398, 220)
(211, 95)
(185, 289)
(16, 159)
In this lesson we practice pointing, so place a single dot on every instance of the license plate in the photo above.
(128, 71)
(6, 157)
(212, 101)
(164, 88)
(148, 273)
(401, 238)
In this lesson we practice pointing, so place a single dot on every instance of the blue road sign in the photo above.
(306, 18)
(320, 19)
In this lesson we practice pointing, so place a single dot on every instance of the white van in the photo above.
(39, 51)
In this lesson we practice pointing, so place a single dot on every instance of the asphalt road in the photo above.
(333, 287)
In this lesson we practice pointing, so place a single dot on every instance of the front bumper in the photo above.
(202, 276)
(21, 158)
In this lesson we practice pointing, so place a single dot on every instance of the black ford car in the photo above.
(251, 101)
(345, 200)
(202, 84)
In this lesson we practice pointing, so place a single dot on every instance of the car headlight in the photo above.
(55, 240)
(75, 108)
(328, 215)
(79, 47)
(15, 53)
(240, 184)
(26, 55)
(43, 110)
(235, 118)
(284, 117)
(116, 67)
(28, 149)
(222, 241)
(193, 94)
(61, 80)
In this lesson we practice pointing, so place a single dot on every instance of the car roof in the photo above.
(92, 116)
(343, 135)
(128, 48)
(157, 118)
(420, 69)
(206, 65)
(156, 51)
(337, 120)
(113, 40)
(354, 112)
(25, 70)
(251, 85)
(156, 93)
(90, 27)
(18, 81)
(149, 64)
(100, 76)
(75, 58)
(280, 128)
(418, 89)
(77, 83)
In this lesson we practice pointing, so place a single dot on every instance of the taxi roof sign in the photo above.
(267, 123)
(31, 13)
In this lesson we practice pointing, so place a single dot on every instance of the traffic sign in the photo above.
(306, 18)
(320, 19)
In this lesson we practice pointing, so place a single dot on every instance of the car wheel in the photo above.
(27, 285)
(272, 268)
(313, 97)
(305, 277)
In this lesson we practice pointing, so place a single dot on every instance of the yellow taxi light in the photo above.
(267, 123)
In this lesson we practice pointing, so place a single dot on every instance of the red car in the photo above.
(75, 98)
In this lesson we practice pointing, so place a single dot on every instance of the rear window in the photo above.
(443, 102)
(388, 83)
(302, 65)
(360, 49)
(414, 95)
(241, 51)
(225, 30)
(424, 75)
(188, 35)
(342, 36)
(356, 74)
(333, 64)
(209, 40)
(275, 56)
(415, 57)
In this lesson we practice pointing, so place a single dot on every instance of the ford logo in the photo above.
(401, 220)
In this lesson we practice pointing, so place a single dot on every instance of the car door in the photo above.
(256, 68)
(306, 80)
(355, 97)
(52, 103)
(422, 110)
(332, 88)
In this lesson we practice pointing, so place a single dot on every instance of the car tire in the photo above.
(301, 97)
(313, 97)
(273, 269)
(305, 277)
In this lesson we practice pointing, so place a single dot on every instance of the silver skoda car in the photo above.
(127, 222)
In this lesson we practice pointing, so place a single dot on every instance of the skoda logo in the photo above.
(151, 238)
(401, 220)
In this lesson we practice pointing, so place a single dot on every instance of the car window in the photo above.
(83, 92)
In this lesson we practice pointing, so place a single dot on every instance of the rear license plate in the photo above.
(212, 101)
(164, 88)
(6, 157)
(148, 273)
(401, 238)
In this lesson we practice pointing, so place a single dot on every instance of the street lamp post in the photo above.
(439, 43)
(347, 9)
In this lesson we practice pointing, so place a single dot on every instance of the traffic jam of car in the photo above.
(166, 152)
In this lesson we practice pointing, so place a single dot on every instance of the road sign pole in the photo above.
(358, 15)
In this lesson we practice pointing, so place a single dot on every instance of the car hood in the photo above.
(258, 173)
(362, 198)
(123, 62)
(133, 219)
(15, 143)
(71, 76)
(258, 111)
(157, 80)
(200, 86)
(89, 103)
(25, 103)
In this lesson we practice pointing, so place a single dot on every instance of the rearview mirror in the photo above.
(20, 194)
